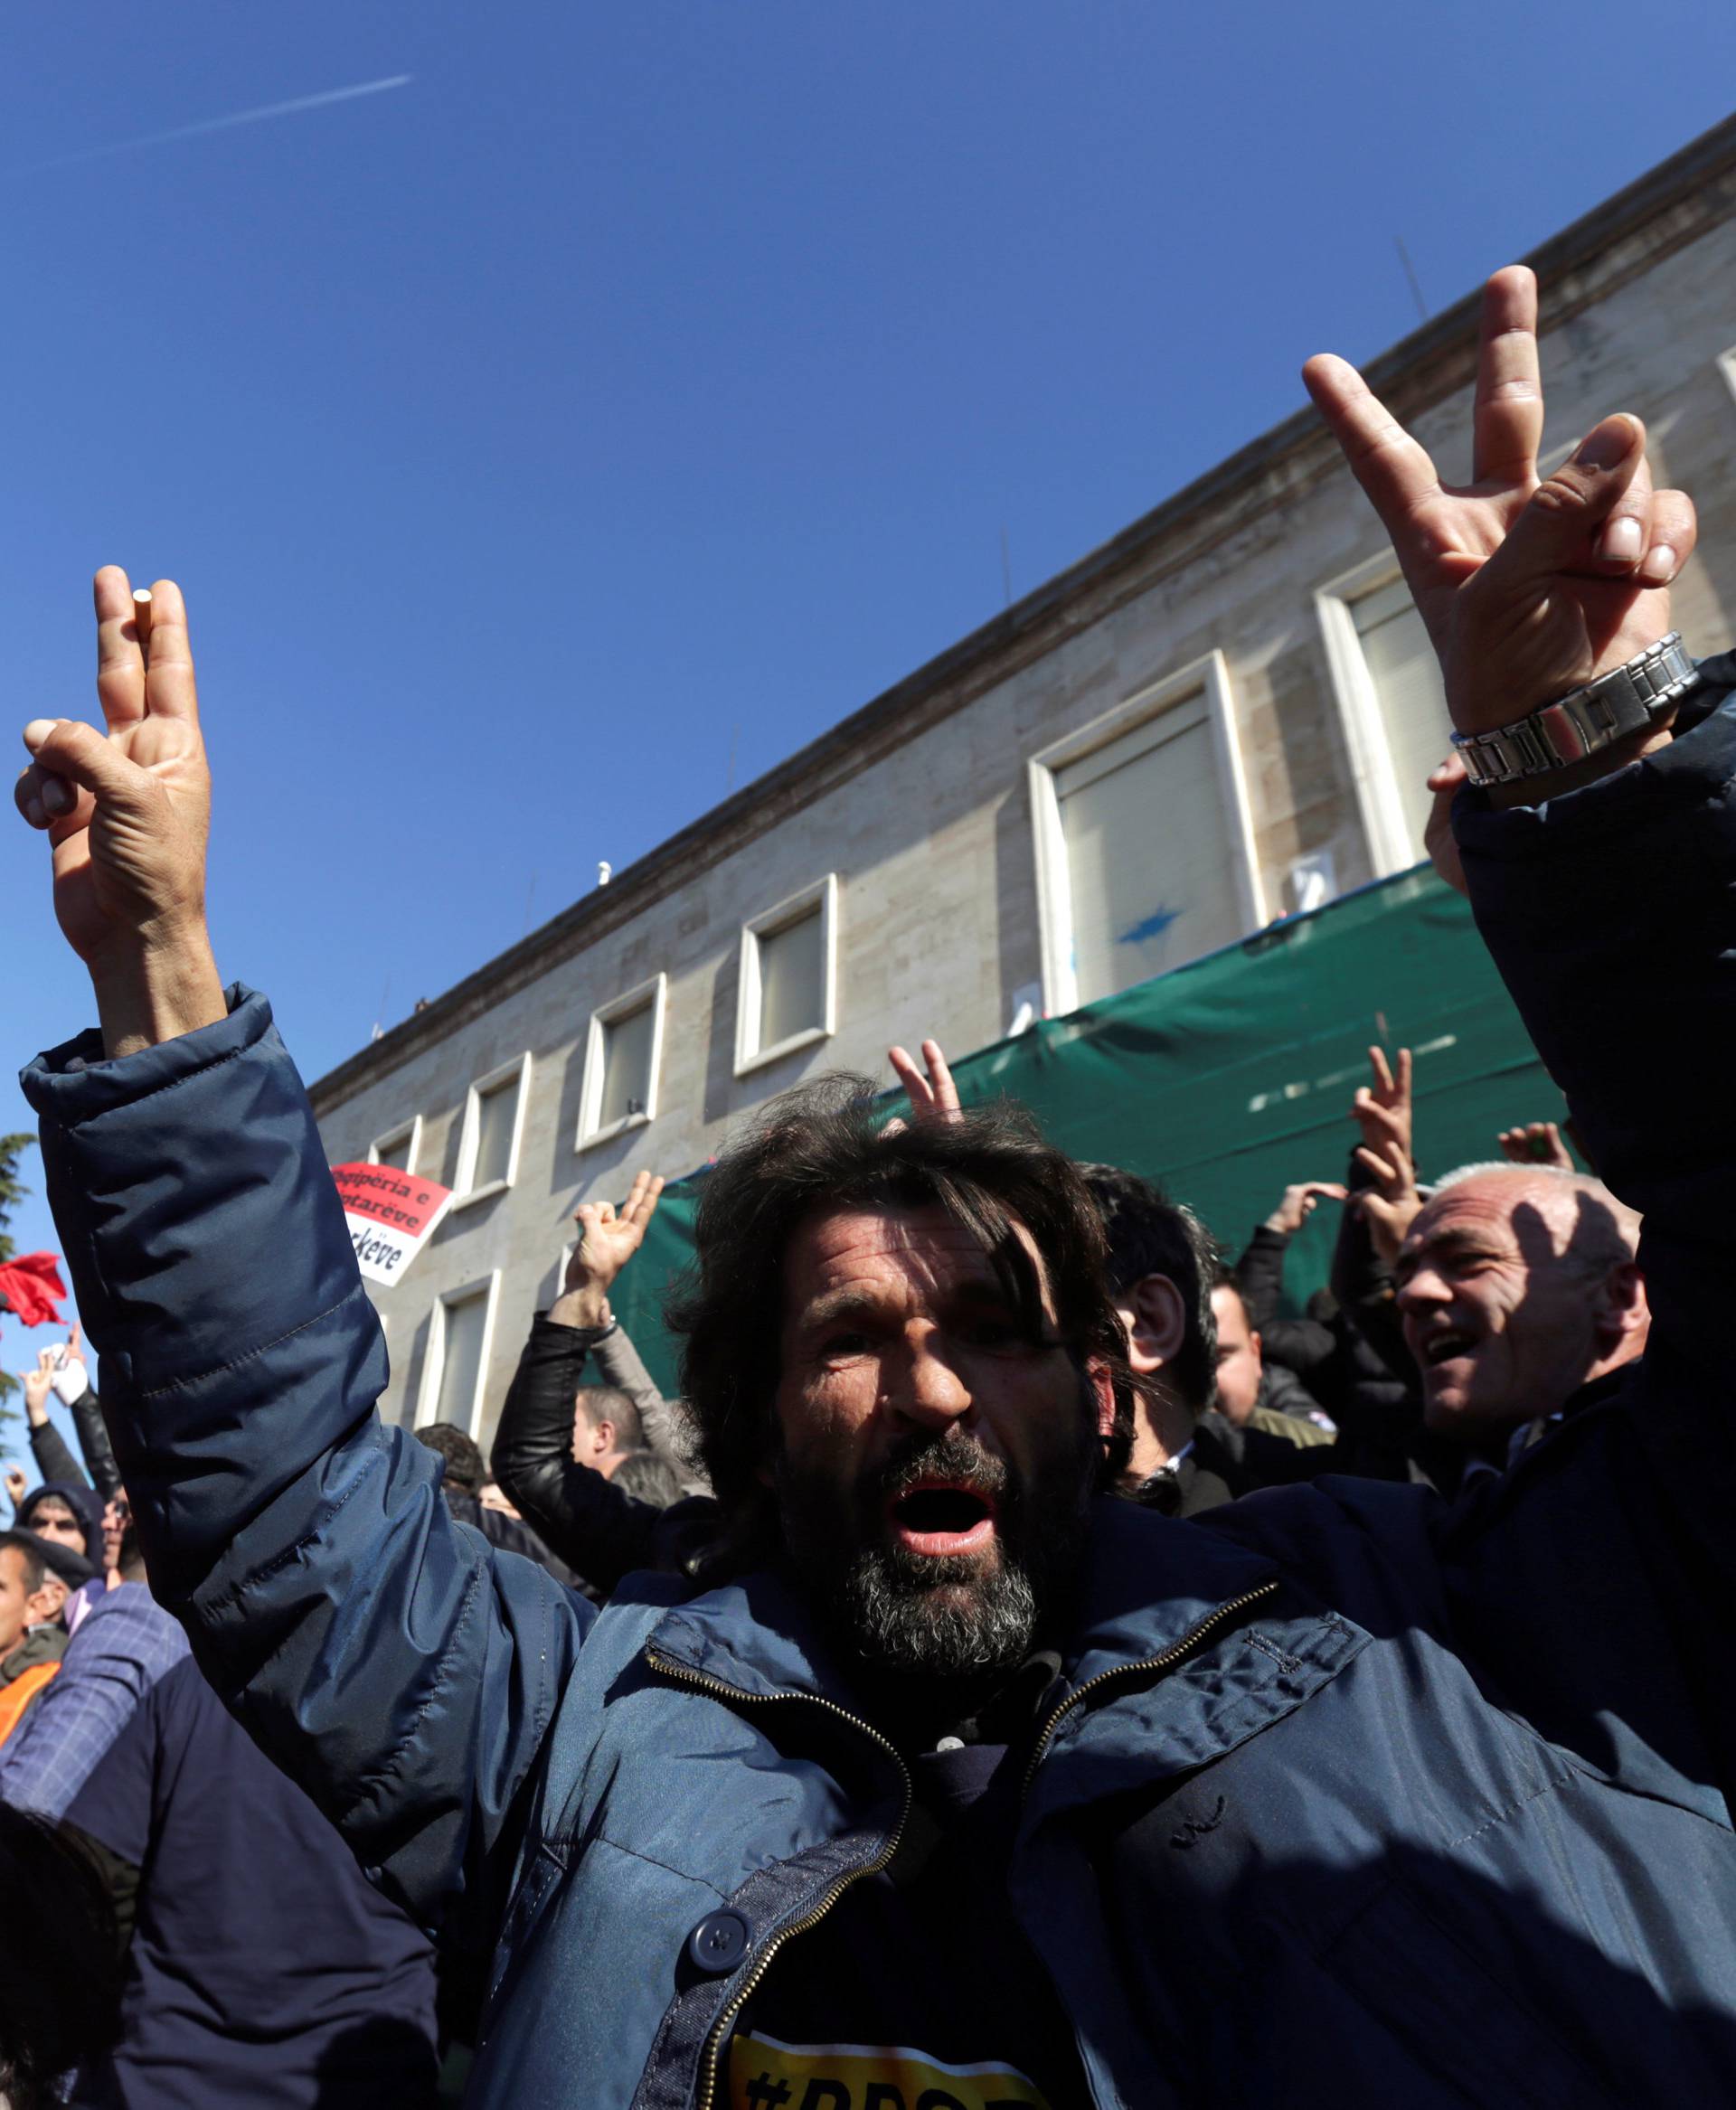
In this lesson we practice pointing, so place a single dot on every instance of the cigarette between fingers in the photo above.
(142, 619)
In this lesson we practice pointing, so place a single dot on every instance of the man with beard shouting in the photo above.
(950, 1782)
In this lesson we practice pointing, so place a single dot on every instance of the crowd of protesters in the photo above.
(1030, 1663)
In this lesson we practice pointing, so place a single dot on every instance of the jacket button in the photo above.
(719, 1942)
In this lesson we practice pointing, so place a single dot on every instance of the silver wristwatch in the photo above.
(1626, 700)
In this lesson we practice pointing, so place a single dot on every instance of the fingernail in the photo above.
(35, 813)
(1660, 564)
(1622, 543)
(56, 797)
(1609, 446)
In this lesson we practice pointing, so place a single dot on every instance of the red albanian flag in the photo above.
(29, 1286)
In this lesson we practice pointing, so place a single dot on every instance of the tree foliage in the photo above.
(12, 1192)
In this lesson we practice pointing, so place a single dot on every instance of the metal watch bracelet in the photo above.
(1627, 699)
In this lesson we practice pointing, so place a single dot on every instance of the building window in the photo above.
(1391, 705)
(460, 1335)
(623, 1057)
(493, 1122)
(788, 993)
(1144, 840)
(399, 1147)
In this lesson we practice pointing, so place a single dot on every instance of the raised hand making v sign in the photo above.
(1528, 589)
(128, 813)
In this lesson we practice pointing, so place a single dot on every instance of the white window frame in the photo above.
(655, 992)
(393, 1136)
(462, 1192)
(1373, 778)
(1209, 677)
(749, 1055)
(427, 1393)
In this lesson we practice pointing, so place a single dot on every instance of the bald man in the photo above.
(1518, 1288)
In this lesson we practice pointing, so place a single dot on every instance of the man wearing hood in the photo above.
(66, 1514)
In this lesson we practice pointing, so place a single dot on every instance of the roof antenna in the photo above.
(1410, 273)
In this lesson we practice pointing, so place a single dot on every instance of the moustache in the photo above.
(957, 1459)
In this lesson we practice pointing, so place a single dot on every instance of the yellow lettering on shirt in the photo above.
(768, 2075)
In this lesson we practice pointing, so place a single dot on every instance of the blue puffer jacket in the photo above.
(1447, 1792)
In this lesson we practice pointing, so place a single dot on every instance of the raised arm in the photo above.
(86, 1409)
(599, 1528)
(1604, 887)
(1528, 590)
(377, 1651)
(48, 1446)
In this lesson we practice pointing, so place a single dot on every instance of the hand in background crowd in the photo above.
(1536, 1143)
(1444, 781)
(17, 1484)
(1390, 1204)
(934, 1097)
(607, 1240)
(1381, 1110)
(38, 1384)
(1300, 1203)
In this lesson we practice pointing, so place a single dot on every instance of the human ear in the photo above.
(1158, 1322)
(1622, 1308)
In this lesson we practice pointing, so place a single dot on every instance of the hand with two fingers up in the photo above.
(126, 812)
(1528, 587)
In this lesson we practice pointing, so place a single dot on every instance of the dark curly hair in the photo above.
(463, 1455)
(824, 1147)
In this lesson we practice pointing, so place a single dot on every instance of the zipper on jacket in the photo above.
(1220, 1616)
(737, 1698)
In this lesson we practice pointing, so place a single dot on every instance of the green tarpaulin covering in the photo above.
(1229, 1079)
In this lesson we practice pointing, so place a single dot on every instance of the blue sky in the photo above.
(642, 387)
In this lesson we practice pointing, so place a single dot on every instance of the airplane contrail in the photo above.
(254, 117)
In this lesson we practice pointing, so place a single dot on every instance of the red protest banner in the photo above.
(390, 1216)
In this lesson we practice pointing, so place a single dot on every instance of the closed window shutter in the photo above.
(1406, 679)
(397, 1154)
(495, 1113)
(792, 984)
(461, 1359)
(1149, 861)
(627, 1066)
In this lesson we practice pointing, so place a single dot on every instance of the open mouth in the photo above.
(1445, 1347)
(942, 1516)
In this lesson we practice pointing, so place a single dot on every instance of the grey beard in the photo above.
(946, 1630)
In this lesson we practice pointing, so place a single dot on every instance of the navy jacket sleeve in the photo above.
(386, 1658)
(1611, 915)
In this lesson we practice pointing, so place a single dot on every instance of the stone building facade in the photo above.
(1219, 718)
